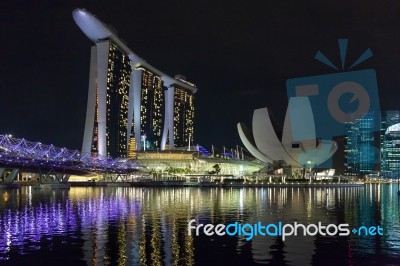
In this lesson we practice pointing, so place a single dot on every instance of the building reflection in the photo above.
(148, 226)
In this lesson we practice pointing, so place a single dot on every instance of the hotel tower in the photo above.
(131, 105)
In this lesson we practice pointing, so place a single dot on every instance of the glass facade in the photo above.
(183, 117)
(390, 144)
(197, 164)
(361, 148)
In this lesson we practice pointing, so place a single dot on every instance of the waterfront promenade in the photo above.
(206, 184)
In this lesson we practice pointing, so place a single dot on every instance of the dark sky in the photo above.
(239, 53)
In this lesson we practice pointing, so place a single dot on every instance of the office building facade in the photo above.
(390, 144)
(131, 104)
(362, 146)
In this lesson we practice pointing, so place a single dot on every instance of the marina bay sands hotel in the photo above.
(131, 104)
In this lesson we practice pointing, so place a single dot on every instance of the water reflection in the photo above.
(144, 226)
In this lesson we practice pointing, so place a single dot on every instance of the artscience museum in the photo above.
(299, 147)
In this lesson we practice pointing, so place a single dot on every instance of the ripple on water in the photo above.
(142, 226)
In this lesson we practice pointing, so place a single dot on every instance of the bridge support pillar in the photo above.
(11, 177)
(8, 177)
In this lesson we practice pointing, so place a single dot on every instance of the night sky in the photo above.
(238, 53)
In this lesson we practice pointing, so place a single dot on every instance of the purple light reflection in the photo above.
(32, 223)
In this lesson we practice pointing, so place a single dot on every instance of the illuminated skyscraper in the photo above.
(390, 144)
(362, 146)
(151, 109)
(108, 100)
(183, 115)
(131, 104)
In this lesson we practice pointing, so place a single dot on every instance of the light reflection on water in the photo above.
(148, 226)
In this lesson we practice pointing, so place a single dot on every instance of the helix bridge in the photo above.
(48, 160)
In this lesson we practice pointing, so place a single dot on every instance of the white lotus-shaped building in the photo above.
(299, 146)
